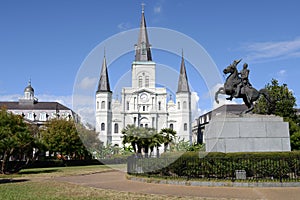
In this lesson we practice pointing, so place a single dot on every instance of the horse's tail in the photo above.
(266, 94)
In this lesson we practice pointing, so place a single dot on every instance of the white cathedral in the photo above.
(143, 104)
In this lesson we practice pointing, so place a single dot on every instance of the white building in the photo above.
(143, 104)
(36, 112)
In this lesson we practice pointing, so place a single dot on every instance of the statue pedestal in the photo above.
(250, 133)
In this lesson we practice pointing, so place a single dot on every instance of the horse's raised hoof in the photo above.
(229, 98)
(217, 101)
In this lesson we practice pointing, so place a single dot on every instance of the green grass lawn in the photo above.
(59, 171)
(46, 190)
(38, 184)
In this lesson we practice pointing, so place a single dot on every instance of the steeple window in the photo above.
(144, 48)
(140, 81)
(147, 81)
(184, 105)
(103, 105)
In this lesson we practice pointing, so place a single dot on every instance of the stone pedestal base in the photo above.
(250, 133)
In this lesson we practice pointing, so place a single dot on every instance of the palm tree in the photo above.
(156, 141)
(129, 136)
(168, 137)
(141, 138)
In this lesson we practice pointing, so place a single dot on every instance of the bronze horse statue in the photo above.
(247, 92)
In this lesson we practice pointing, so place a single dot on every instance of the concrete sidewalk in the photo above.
(116, 180)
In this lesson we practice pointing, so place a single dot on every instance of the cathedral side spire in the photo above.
(142, 51)
(104, 85)
(183, 85)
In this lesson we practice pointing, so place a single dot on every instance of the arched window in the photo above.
(178, 105)
(109, 105)
(184, 105)
(97, 104)
(171, 126)
(159, 105)
(185, 127)
(102, 104)
(116, 128)
(147, 81)
(102, 127)
(140, 81)
(127, 105)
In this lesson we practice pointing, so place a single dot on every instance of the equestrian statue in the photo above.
(237, 85)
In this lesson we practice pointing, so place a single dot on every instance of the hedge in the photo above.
(273, 165)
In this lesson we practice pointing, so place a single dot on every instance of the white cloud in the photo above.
(87, 83)
(10, 97)
(84, 106)
(64, 100)
(282, 72)
(222, 98)
(124, 26)
(194, 105)
(272, 50)
(157, 9)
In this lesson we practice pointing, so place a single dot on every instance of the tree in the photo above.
(283, 101)
(141, 138)
(168, 136)
(89, 138)
(16, 142)
(61, 136)
(283, 104)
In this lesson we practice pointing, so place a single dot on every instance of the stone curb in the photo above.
(214, 183)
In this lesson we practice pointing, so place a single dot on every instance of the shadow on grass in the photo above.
(41, 171)
(3, 181)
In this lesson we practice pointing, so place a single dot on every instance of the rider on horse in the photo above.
(245, 80)
(237, 85)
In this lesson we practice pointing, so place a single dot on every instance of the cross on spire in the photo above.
(143, 7)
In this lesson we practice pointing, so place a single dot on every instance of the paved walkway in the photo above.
(116, 180)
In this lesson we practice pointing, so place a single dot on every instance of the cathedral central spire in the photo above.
(142, 51)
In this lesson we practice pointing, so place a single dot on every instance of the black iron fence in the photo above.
(212, 168)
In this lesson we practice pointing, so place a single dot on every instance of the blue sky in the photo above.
(47, 41)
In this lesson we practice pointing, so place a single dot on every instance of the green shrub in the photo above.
(271, 165)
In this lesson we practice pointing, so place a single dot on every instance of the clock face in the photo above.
(144, 97)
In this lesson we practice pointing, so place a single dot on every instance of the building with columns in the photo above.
(36, 112)
(143, 104)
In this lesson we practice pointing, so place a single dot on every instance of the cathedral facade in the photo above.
(143, 104)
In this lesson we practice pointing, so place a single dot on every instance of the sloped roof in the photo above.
(104, 85)
(10, 105)
(183, 85)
